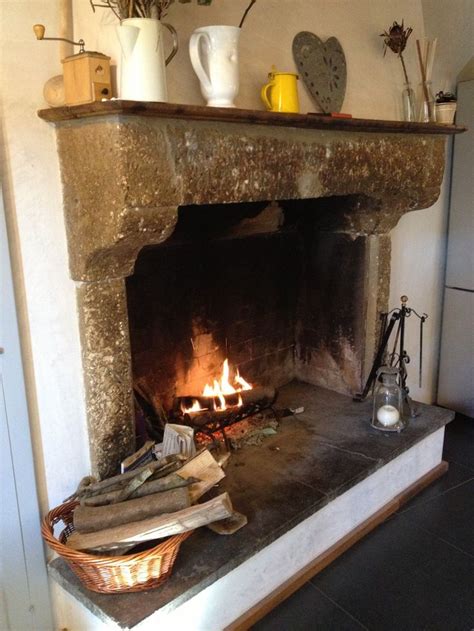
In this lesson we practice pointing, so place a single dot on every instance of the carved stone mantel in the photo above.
(126, 168)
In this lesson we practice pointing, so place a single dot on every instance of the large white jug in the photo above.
(214, 52)
(143, 72)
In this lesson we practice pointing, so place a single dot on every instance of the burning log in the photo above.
(238, 406)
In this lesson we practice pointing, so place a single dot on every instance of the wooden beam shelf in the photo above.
(253, 117)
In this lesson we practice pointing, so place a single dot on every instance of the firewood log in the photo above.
(117, 482)
(94, 518)
(134, 484)
(218, 508)
(171, 481)
(205, 468)
(230, 525)
(265, 396)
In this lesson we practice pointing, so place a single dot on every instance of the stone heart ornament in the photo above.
(322, 66)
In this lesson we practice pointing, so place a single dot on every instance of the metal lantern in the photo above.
(388, 401)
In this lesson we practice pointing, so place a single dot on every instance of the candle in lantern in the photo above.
(388, 415)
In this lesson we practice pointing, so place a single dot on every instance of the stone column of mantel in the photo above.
(105, 342)
(125, 175)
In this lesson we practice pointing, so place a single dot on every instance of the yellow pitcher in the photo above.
(280, 94)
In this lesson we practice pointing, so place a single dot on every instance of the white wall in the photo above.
(419, 241)
(452, 22)
(33, 197)
(373, 81)
(45, 293)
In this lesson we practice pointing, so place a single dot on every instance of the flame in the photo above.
(220, 388)
(195, 407)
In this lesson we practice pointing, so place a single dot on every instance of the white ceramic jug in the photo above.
(143, 60)
(214, 52)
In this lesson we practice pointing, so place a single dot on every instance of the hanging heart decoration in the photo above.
(322, 66)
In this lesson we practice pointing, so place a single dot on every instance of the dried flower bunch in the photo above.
(396, 39)
(124, 9)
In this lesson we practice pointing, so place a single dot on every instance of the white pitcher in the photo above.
(143, 60)
(214, 52)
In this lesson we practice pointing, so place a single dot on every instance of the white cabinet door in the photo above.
(456, 371)
(24, 596)
(460, 263)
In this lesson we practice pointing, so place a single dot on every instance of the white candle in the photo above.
(388, 415)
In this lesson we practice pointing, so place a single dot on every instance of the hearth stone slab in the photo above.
(325, 472)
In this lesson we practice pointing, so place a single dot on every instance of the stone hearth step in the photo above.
(304, 490)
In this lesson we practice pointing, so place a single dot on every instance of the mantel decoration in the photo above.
(125, 9)
(446, 104)
(140, 32)
(396, 39)
(214, 53)
(85, 78)
(280, 94)
(426, 49)
(322, 66)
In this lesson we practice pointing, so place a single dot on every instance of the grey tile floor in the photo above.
(414, 572)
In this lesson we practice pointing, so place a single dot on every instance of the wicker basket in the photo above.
(111, 574)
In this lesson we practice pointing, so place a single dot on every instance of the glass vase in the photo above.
(408, 101)
(387, 413)
(427, 111)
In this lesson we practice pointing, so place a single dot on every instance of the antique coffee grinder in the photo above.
(86, 74)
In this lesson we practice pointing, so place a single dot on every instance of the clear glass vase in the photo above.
(408, 102)
(387, 414)
(427, 110)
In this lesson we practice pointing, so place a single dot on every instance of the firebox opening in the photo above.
(262, 285)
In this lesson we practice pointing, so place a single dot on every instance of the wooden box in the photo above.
(86, 78)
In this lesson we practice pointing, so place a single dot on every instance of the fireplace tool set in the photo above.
(388, 376)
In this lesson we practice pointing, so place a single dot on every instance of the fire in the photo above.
(195, 407)
(222, 387)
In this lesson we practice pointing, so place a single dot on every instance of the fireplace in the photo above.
(204, 296)
(259, 285)
(197, 235)
(181, 257)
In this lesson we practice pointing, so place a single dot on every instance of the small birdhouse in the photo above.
(86, 78)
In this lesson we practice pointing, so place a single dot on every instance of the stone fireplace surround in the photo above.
(127, 171)
(127, 168)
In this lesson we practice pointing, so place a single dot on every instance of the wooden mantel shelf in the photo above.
(253, 117)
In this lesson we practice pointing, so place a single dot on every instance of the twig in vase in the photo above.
(138, 8)
(423, 75)
(404, 68)
(247, 10)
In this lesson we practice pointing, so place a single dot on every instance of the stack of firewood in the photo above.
(152, 502)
